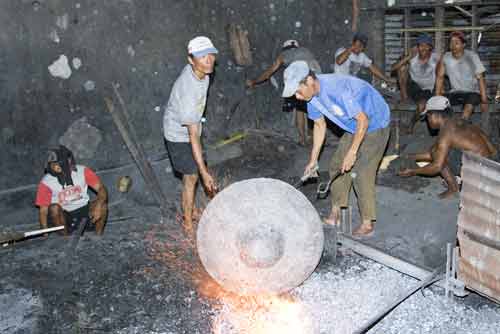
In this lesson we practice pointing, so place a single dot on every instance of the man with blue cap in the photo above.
(421, 65)
(182, 124)
(359, 109)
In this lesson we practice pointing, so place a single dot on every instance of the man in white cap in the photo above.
(359, 109)
(182, 124)
(290, 52)
(455, 136)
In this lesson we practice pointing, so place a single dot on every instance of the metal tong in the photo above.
(305, 177)
(324, 187)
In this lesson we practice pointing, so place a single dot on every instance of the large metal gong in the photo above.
(260, 236)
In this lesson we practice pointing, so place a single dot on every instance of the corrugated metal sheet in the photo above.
(479, 226)
(488, 49)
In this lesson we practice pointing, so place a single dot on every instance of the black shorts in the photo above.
(74, 218)
(416, 93)
(291, 103)
(461, 98)
(181, 157)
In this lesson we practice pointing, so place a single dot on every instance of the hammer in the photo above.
(324, 187)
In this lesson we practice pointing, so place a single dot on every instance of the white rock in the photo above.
(77, 63)
(60, 68)
(54, 36)
(62, 21)
(89, 85)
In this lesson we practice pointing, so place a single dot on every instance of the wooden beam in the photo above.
(442, 29)
(439, 36)
(474, 34)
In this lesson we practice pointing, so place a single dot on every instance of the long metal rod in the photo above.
(138, 154)
(431, 278)
(386, 259)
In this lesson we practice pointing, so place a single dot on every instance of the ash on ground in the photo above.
(340, 299)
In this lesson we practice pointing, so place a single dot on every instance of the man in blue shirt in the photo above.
(356, 107)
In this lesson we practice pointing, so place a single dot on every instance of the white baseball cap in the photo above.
(201, 46)
(293, 75)
(435, 103)
(290, 42)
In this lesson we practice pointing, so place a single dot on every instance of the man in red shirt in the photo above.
(62, 194)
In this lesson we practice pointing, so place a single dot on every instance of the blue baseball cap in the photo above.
(424, 38)
(293, 75)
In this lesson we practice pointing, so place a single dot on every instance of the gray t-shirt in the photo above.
(353, 64)
(462, 72)
(185, 105)
(300, 53)
(424, 74)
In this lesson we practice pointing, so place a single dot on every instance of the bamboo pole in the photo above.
(442, 29)
(136, 150)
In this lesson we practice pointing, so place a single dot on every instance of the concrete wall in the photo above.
(140, 45)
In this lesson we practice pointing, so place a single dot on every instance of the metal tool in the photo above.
(312, 174)
(14, 236)
(324, 187)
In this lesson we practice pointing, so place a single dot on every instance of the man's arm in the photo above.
(42, 216)
(319, 134)
(404, 60)
(440, 71)
(378, 73)
(343, 56)
(267, 73)
(194, 139)
(359, 135)
(439, 155)
(100, 206)
(482, 92)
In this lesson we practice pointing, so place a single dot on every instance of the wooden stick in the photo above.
(21, 235)
(137, 152)
(441, 29)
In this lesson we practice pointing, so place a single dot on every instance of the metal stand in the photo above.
(453, 286)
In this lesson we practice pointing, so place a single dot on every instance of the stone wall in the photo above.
(58, 59)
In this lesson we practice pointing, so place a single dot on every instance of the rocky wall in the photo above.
(58, 59)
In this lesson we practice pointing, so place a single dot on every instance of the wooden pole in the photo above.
(407, 14)
(442, 29)
(136, 150)
(474, 34)
(439, 36)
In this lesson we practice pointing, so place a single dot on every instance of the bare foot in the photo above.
(448, 194)
(188, 229)
(331, 221)
(364, 230)
(334, 217)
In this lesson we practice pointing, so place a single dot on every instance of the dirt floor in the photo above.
(143, 275)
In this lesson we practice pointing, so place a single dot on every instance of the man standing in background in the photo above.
(182, 124)
(290, 52)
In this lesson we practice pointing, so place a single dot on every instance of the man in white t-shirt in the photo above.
(350, 61)
(417, 74)
(62, 194)
(182, 124)
(466, 73)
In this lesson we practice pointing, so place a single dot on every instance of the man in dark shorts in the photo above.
(454, 134)
(466, 74)
(290, 52)
(182, 124)
(417, 74)
(62, 194)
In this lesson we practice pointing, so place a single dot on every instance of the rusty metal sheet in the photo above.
(479, 226)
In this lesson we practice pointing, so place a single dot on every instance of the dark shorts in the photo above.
(181, 157)
(291, 103)
(416, 93)
(74, 218)
(461, 98)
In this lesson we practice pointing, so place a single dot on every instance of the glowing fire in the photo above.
(263, 315)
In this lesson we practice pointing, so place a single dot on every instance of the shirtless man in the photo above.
(453, 134)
